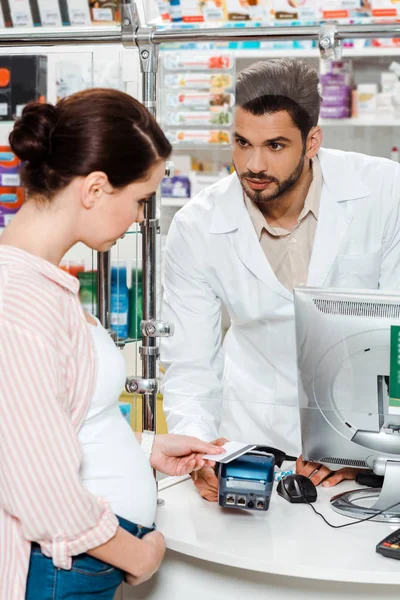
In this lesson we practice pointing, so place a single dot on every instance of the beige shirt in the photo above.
(289, 252)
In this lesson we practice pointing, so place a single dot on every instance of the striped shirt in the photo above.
(47, 378)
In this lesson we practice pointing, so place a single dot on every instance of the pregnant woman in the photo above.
(77, 494)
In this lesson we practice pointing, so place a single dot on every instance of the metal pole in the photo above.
(103, 288)
(242, 34)
(57, 36)
(149, 350)
(54, 36)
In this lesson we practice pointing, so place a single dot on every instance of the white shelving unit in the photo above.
(376, 122)
(348, 52)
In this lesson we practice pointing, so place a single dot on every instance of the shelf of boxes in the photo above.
(264, 53)
(375, 122)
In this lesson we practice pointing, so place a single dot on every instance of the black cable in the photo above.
(354, 522)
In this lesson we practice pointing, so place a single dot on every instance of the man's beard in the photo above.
(263, 196)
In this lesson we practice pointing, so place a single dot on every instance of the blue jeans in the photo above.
(88, 578)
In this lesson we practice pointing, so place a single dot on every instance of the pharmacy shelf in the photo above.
(313, 52)
(372, 122)
(5, 130)
(174, 202)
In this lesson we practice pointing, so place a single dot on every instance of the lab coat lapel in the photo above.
(341, 187)
(250, 252)
(333, 224)
(231, 217)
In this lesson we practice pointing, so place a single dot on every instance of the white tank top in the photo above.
(114, 466)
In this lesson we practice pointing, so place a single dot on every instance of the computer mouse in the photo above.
(297, 489)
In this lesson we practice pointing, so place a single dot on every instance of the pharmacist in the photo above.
(292, 214)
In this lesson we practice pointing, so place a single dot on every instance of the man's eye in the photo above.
(241, 143)
(276, 146)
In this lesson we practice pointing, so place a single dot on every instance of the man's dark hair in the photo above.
(282, 84)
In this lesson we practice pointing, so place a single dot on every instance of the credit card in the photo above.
(233, 450)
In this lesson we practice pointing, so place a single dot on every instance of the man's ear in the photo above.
(314, 142)
(93, 188)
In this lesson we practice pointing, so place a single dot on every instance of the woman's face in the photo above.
(117, 209)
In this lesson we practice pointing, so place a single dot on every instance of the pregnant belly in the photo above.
(115, 468)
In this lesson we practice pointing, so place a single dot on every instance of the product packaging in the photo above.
(336, 95)
(119, 308)
(335, 112)
(75, 267)
(73, 74)
(200, 100)
(125, 409)
(296, 10)
(190, 11)
(5, 88)
(23, 78)
(345, 9)
(367, 100)
(104, 11)
(200, 119)
(180, 61)
(175, 10)
(385, 8)
(388, 82)
(336, 90)
(28, 81)
(354, 104)
(18, 13)
(75, 12)
(2, 18)
(394, 155)
(88, 291)
(176, 187)
(201, 81)
(50, 13)
(250, 10)
(199, 137)
(12, 195)
(213, 10)
(385, 106)
(164, 8)
(135, 303)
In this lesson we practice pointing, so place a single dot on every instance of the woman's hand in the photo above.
(181, 454)
(153, 551)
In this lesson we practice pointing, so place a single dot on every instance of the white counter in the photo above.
(287, 552)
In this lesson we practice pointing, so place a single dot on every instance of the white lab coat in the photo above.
(247, 390)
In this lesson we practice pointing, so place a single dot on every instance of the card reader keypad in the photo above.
(390, 545)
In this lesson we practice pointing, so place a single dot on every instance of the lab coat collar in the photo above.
(342, 182)
(230, 209)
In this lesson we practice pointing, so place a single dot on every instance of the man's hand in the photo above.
(321, 474)
(181, 454)
(206, 480)
(151, 558)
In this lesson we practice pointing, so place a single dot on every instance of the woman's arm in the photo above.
(139, 558)
(178, 455)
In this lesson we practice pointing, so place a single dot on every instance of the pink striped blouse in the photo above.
(47, 376)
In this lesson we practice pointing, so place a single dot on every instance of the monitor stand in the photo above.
(369, 502)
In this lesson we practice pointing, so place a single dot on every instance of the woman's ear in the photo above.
(93, 188)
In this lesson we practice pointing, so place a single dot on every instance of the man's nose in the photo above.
(257, 161)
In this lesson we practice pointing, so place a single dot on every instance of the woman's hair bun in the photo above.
(30, 138)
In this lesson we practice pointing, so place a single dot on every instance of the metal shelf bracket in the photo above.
(330, 46)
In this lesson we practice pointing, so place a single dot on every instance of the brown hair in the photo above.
(281, 84)
(95, 130)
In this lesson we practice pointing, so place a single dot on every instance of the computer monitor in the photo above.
(348, 357)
